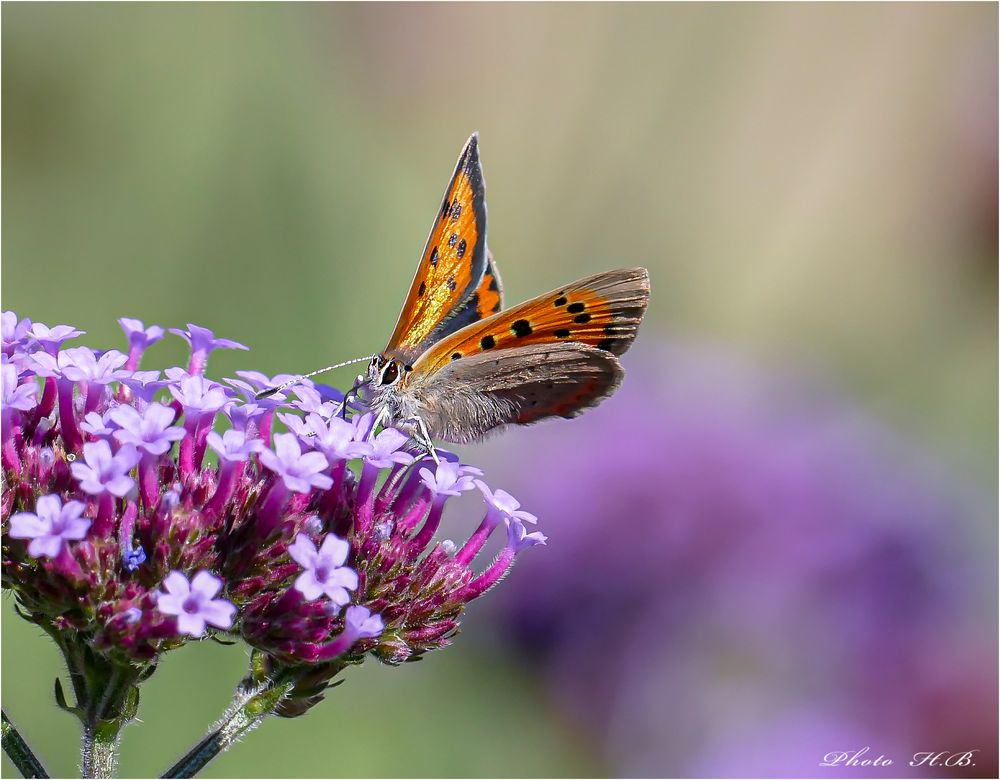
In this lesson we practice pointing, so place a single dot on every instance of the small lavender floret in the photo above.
(194, 604)
(150, 430)
(387, 449)
(138, 335)
(104, 472)
(362, 624)
(13, 331)
(336, 438)
(300, 472)
(50, 339)
(197, 394)
(50, 526)
(234, 445)
(449, 479)
(80, 364)
(505, 504)
(323, 572)
(97, 425)
(15, 396)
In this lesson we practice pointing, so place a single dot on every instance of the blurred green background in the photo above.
(808, 184)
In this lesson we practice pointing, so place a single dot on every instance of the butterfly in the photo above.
(458, 365)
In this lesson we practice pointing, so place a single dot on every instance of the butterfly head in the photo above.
(386, 372)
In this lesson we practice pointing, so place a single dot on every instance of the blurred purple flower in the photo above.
(766, 557)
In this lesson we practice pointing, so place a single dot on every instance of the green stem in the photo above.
(107, 699)
(18, 751)
(99, 749)
(246, 712)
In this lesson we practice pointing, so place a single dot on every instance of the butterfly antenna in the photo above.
(272, 390)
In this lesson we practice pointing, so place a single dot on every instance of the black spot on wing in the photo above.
(521, 328)
(575, 308)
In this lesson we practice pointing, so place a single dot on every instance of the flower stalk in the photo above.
(248, 710)
(18, 752)
(107, 699)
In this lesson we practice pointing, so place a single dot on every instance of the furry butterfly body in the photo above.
(458, 365)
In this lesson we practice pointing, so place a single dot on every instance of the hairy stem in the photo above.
(107, 699)
(248, 710)
(19, 753)
(99, 749)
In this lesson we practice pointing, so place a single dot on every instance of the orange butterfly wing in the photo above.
(602, 311)
(453, 265)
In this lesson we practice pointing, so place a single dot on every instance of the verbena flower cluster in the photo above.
(144, 508)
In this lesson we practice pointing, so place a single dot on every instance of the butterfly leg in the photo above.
(423, 438)
(349, 396)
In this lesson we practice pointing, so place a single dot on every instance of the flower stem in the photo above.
(107, 699)
(248, 710)
(19, 753)
(99, 749)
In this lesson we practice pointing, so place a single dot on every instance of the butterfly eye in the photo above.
(390, 374)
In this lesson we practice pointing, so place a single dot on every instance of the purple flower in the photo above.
(323, 572)
(22, 397)
(80, 364)
(274, 533)
(299, 472)
(145, 384)
(203, 342)
(519, 539)
(50, 526)
(505, 504)
(449, 479)
(335, 438)
(150, 430)
(139, 336)
(139, 339)
(103, 472)
(194, 604)
(360, 623)
(386, 449)
(97, 425)
(765, 548)
(13, 331)
(234, 445)
(197, 394)
(50, 339)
